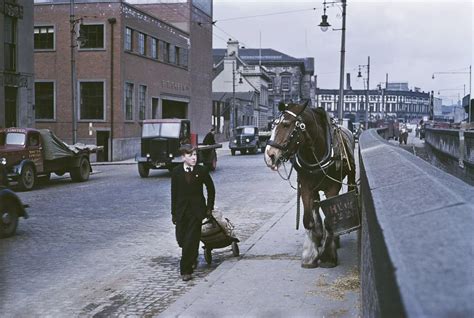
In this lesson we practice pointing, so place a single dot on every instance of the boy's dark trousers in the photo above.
(188, 231)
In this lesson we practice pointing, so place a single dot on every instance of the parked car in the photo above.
(160, 143)
(11, 208)
(248, 139)
(32, 153)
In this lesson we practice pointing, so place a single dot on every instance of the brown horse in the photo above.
(323, 155)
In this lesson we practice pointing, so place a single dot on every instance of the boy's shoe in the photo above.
(187, 277)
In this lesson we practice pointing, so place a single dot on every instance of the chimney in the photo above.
(232, 47)
(348, 81)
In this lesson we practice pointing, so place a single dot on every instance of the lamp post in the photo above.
(73, 22)
(324, 27)
(367, 91)
(232, 110)
(470, 86)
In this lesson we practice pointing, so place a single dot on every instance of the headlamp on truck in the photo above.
(3, 161)
(247, 140)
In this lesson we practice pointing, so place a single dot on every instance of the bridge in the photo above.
(416, 247)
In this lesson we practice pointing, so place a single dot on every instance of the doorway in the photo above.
(103, 140)
(174, 109)
(10, 106)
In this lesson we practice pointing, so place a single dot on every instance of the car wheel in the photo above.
(27, 178)
(81, 173)
(143, 170)
(232, 152)
(8, 217)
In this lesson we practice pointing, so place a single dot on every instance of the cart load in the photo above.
(218, 232)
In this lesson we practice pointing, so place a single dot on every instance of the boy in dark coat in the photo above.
(189, 207)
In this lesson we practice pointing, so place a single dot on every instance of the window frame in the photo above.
(54, 37)
(289, 83)
(125, 101)
(126, 38)
(154, 48)
(142, 43)
(140, 106)
(104, 101)
(54, 101)
(104, 32)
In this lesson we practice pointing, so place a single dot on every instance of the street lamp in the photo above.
(81, 40)
(232, 111)
(470, 86)
(324, 26)
(367, 92)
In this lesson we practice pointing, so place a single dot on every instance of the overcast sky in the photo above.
(409, 40)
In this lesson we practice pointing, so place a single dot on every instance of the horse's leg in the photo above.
(309, 258)
(329, 254)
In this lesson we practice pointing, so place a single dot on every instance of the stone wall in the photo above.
(416, 246)
(452, 150)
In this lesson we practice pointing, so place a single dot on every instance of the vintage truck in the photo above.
(32, 153)
(160, 143)
(248, 139)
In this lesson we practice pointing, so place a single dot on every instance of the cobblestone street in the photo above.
(106, 247)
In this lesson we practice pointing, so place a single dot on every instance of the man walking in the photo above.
(188, 206)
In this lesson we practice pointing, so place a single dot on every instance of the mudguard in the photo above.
(19, 167)
(9, 194)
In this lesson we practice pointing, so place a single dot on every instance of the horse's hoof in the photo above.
(310, 265)
(327, 264)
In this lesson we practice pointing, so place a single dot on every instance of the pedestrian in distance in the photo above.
(189, 207)
(209, 139)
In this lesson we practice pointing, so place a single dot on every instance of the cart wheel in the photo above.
(235, 249)
(208, 256)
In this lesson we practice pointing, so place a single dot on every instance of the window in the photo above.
(128, 39)
(177, 55)
(161, 50)
(142, 101)
(44, 100)
(183, 59)
(285, 83)
(44, 38)
(94, 36)
(154, 48)
(91, 100)
(270, 84)
(166, 52)
(172, 54)
(10, 43)
(128, 101)
(142, 43)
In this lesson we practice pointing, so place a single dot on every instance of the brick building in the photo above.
(133, 62)
(16, 63)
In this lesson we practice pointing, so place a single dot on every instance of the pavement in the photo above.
(267, 280)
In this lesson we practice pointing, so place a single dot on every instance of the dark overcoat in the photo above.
(187, 199)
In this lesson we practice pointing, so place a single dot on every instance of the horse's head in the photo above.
(287, 134)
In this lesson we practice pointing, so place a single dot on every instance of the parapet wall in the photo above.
(416, 238)
(452, 150)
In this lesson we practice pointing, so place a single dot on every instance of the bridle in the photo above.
(293, 137)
